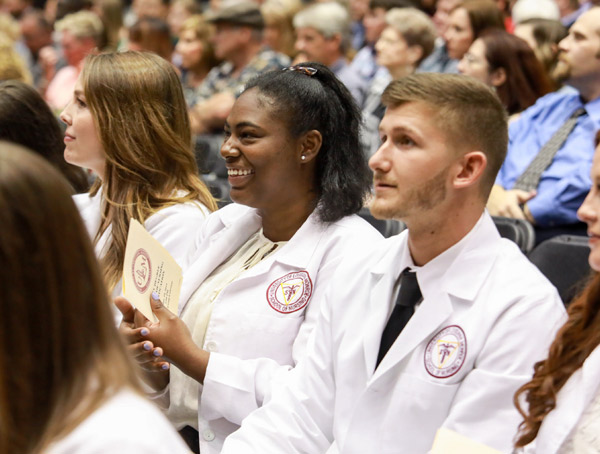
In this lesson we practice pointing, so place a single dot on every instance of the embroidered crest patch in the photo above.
(446, 352)
(290, 293)
(141, 270)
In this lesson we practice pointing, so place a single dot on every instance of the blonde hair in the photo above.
(12, 66)
(203, 31)
(279, 14)
(9, 26)
(83, 24)
(66, 357)
(139, 111)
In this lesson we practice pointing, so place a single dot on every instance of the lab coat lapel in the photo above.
(217, 249)
(380, 301)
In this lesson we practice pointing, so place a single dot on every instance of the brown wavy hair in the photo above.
(64, 356)
(574, 342)
(139, 111)
(526, 80)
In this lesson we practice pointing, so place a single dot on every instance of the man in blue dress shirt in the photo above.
(563, 185)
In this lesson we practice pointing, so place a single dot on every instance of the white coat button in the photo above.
(211, 346)
(208, 435)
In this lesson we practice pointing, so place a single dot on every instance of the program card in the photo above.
(449, 442)
(148, 267)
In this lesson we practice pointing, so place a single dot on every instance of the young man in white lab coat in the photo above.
(485, 317)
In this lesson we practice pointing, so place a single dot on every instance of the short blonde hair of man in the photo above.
(468, 112)
(415, 27)
(83, 24)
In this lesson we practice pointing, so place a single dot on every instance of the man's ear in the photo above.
(310, 145)
(472, 167)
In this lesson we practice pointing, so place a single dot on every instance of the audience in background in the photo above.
(570, 10)
(279, 32)
(151, 8)
(70, 388)
(12, 65)
(323, 35)
(466, 22)
(66, 7)
(508, 64)
(111, 14)
(197, 56)
(238, 41)
(80, 35)
(26, 119)
(543, 36)
(408, 38)
(546, 184)
(151, 34)
(358, 10)
(364, 62)
(524, 10)
(439, 61)
(36, 33)
(127, 121)
(179, 12)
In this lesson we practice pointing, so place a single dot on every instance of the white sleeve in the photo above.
(248, 383)
(176, 227)
(299, 415)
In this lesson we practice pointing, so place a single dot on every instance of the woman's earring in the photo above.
(303, 157)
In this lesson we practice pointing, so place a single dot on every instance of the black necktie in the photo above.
(408, 296)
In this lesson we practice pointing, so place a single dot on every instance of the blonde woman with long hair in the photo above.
(68, 386)
(128, 122)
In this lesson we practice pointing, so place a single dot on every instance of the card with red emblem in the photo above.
(148, 267)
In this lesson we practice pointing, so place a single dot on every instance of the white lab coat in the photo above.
(126, 423)
(251, 344)
(571, 402)
(175, 227)
(508, 314)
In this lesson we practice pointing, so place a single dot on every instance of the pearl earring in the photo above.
(303, 157)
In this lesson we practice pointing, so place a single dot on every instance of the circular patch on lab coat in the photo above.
(290, 293)
(141, 270)
(446, 352)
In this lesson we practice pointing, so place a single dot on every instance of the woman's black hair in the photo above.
(26, 119)
(317, 100)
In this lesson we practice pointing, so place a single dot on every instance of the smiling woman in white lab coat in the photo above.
(250, 295)
(127, 121)
(563, 413)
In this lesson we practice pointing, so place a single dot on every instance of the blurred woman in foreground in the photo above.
(68, 387)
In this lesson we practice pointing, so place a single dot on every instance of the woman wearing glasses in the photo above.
(250, 295)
